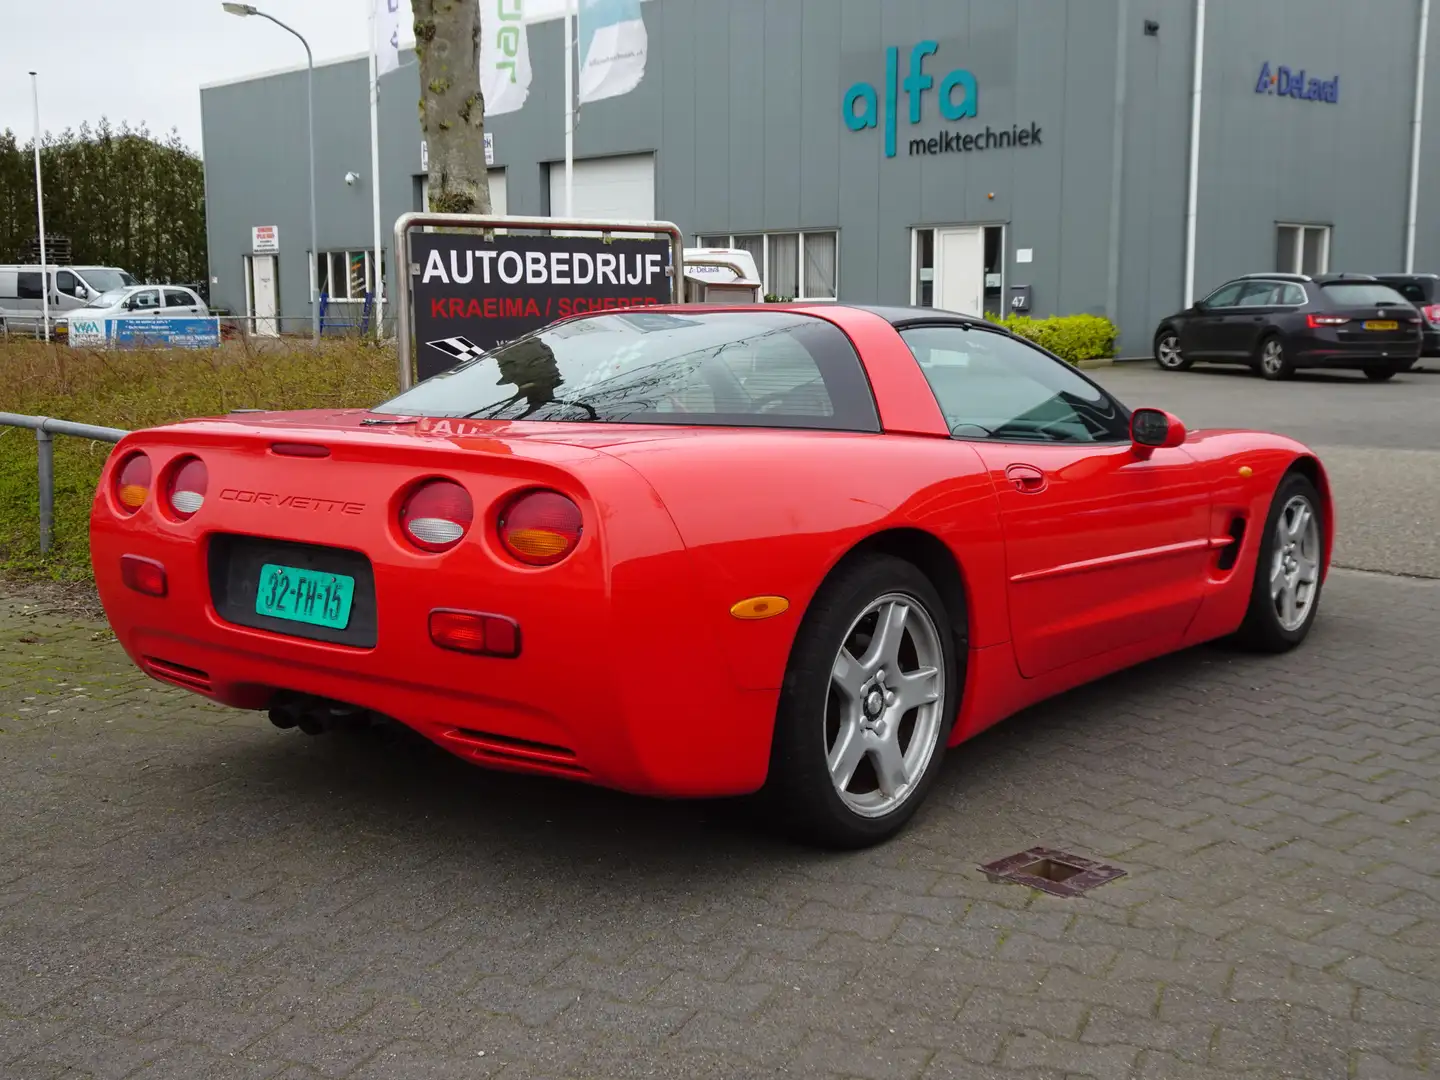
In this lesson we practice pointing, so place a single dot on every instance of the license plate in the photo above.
(306, 596)
(1382, 324)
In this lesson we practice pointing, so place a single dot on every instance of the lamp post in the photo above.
(250, 9)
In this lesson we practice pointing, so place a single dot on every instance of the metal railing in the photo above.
(45, 429)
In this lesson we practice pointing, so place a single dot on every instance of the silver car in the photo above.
(139, 301)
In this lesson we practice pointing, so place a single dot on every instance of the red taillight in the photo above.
(187, 488)
(475, 632)
(1325, 320)
(143, 575)
(132, 483)
(1432, 314)
(540, 527)
(437, 515)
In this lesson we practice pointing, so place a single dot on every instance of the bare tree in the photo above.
(452, 108)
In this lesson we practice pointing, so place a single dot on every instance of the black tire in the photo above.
(1272, 358)
(1262, 630)
(798, 788)
(1375, 373)
(1167, 351)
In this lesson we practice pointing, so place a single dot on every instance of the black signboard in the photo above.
(471, 294)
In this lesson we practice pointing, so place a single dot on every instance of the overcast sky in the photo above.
(144, 60)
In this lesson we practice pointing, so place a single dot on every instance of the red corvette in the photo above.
(707, 551)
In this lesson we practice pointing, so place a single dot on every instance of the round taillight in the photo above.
(540, 527)
(132, 483)
(187, 488)
(437, 515)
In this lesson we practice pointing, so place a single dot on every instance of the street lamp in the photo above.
(251, 9)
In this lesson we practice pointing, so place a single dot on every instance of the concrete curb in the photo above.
(1433, 369)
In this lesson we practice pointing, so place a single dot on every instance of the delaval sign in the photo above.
(959, 99)
(1286, 83)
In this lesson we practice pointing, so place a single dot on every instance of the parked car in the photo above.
(706, 552)
(1423, 291)
(70, 287)
(138, 301)
(1279, 323)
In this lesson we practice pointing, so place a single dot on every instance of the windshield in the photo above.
(108, 299)
(1353, 295)
(770, 369)
(105, 280)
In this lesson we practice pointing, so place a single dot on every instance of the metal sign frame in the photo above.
(405, 223)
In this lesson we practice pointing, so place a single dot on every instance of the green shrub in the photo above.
(1070, 337)
(143, 388)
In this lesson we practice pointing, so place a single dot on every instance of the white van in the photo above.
(70, 287)
(722, 276)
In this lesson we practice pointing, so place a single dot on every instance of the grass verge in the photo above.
(145, 388)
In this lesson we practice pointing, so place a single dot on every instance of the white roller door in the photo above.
(610, 188)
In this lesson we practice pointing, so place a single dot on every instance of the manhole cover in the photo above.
(1056, 872)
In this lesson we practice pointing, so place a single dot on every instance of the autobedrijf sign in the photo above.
(959, 98)
(470, 295)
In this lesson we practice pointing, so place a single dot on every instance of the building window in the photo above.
(346, 276)
(1302, 249)
(793, 265)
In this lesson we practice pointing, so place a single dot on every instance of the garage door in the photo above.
(607, 188)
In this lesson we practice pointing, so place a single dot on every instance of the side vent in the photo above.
(1230, 553)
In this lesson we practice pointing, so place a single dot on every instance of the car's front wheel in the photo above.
(1285, 593)
(1167, 351)
(867, 706)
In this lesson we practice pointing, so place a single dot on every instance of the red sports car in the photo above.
(704, 551)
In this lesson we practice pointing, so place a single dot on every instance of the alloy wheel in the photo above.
(1295, 567)
(1272, 357)
(883, 712)
(1167, 352)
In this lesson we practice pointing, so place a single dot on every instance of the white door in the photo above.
(607, 189)
(960, 270)
(264, 306)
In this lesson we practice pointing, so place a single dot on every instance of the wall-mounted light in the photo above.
(352, 178)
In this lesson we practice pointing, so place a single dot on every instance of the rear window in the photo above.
(1414, 291)
(753, 368)
(1362, 295)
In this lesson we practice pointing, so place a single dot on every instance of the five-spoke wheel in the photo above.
(870, 696)
(1285, 595)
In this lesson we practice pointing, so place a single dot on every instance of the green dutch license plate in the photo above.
(288, 592)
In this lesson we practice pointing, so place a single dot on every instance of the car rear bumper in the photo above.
(1313, 352)
(611, 687)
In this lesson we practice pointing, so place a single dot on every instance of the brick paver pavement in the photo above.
(186, 892)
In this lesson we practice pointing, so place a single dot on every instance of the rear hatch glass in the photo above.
(736, 368)
(1363, 294)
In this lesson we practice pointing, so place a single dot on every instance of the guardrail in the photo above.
(45, 428)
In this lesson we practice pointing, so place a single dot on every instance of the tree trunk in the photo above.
(452, 109)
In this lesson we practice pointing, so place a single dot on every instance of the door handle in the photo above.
(1026, 479)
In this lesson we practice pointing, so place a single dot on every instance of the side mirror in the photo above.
(1152, 429)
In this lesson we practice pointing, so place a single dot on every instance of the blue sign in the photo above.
(1295, 84)
(959, 94)
(179, 333)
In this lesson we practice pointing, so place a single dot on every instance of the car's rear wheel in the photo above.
(1167, 351)
(867, 706)
(1271, 359)
(1285, 595)
(1377, 373)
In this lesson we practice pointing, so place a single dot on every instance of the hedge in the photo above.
(1070, 337)
(142, 388)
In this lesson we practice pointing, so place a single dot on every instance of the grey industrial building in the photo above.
(944, 152)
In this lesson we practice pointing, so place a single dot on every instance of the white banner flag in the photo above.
(504, 56)
(389, 16)
(613, 46)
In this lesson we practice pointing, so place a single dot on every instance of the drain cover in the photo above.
(1056, 872)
